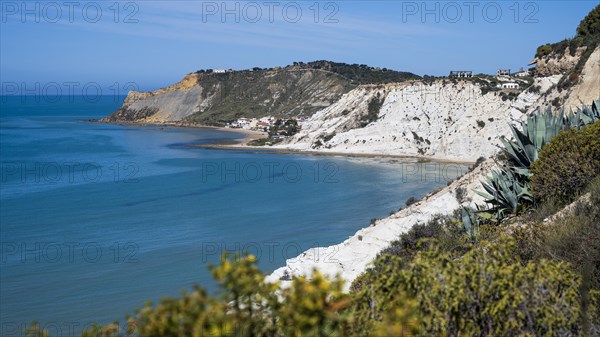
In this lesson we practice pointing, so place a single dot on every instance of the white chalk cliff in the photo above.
(441, 120)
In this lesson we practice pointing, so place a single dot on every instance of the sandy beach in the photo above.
(242, 144)
(249, 135)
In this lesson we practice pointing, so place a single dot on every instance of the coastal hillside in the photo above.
(215, 97)
(508, 244)
(456, 118)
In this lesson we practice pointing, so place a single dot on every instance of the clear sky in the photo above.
(155, 43)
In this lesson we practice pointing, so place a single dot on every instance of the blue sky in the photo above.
(155, 43)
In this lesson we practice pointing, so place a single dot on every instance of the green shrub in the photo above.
(313, 306)
(480, 159)
(543, 50)
(484, 293)
(590, 25)
(445, 229)
(572, 237)
(328, 137)
(460, 194)
(372, 111)
(567, 164)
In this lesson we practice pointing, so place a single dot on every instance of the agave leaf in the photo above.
(540, 131)
(522, 171)
(514, 152)
(529, 126)
(508, 194)
(522, 158)
(484, 195)
(531, 151)
(466, 219)
(520, 138)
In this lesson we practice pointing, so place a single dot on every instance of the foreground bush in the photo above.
(249, 306)
(485, 293)
(567, 164)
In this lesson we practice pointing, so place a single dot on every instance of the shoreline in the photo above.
(241, 144)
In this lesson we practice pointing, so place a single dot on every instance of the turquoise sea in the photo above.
(96, 219)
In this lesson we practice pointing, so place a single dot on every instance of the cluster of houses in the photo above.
(259, 124)
(504, 75)
(264, 124)
(521, 73)
(500, 72)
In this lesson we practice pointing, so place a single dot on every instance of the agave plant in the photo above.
(505, 192)
(509, 188)
(584, 115)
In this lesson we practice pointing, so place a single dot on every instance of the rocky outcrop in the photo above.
(573, 87)
(559, 62)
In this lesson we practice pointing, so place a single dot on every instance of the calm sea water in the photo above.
(96, 219)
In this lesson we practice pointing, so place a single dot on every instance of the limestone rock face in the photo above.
(441, 120)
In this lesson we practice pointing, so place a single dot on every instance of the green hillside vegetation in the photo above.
(279, 93)
(284, 92)
(358, 73)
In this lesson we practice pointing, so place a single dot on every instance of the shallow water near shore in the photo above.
(96, 219)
